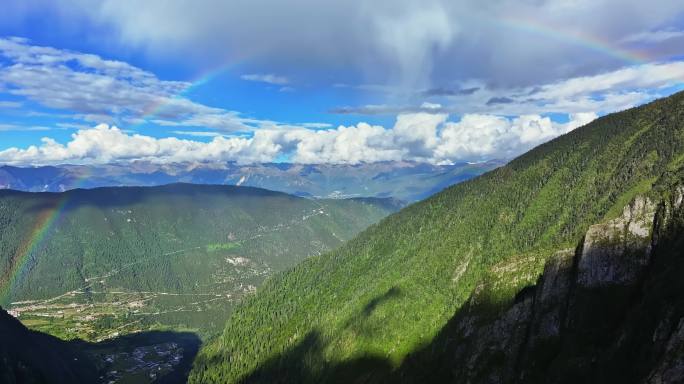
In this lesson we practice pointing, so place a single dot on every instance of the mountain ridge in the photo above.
(407, 181)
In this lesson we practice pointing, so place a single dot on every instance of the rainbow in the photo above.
(37, 236)
(527, 25)
(573, 37)
(584, 40)
(201, 79)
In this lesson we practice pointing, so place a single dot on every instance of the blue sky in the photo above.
(321, 82)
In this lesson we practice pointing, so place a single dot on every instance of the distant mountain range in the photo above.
(407, 181)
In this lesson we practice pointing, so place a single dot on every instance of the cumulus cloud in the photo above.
(105, 144)
(419, 137)
(486, 136)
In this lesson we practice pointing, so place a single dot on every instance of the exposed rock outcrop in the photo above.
(615, 253)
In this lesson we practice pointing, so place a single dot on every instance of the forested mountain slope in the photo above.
(363, 307)
(101, 262)
(609, 311)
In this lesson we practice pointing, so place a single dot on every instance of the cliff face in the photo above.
(610, 311)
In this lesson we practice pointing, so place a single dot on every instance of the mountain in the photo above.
(356, 313)
(94, 264)
(609, 311)
(33, 357)
(407, 181)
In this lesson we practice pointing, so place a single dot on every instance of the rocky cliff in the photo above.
(612, 310)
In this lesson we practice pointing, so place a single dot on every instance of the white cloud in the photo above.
(646, 76)
(20, 128)
(355, 144)
(417, 133)
(80, 82)
(268, 78)
(605, 92)
(105, 144)
(486, 136)
(432, 106)
(100, 90)
(419, 137)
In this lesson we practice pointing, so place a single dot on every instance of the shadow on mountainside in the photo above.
(560, 330)
(301, 365)
(163, 357)
(305, 362)
(28, 356)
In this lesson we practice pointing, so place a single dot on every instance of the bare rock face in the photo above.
(617, 252)
(552, 292)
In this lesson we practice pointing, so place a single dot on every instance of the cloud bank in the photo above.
(425, 137)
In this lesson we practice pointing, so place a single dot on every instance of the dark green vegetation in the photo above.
(94, 264)
(354, 314)
(407, 181)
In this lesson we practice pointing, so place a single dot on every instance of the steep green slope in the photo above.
(390, 290)
(97, 263)
(609, 311)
